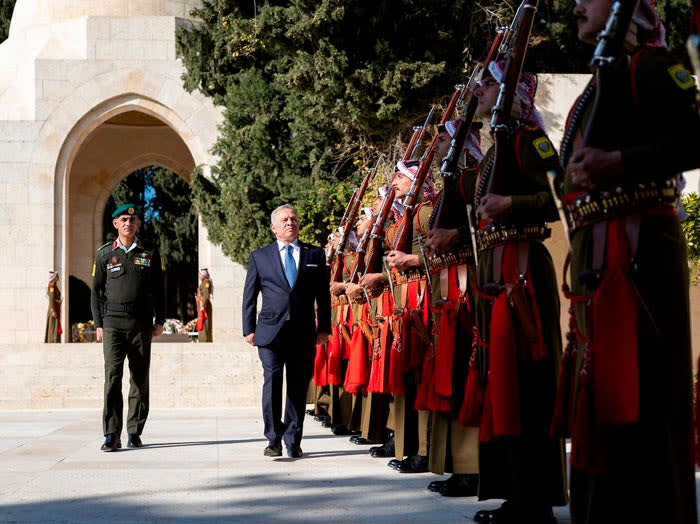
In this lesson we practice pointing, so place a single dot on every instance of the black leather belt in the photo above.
(130, 308)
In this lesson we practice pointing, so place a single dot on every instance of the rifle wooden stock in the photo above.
(607, 64)
(450, 164)
(515, 51)
(343, 222)
(372, 260)
(404, 235)
(351, 216)
(419, 134)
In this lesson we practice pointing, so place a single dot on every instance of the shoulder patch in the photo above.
(544, 147)
(103, 247)
(681, 76)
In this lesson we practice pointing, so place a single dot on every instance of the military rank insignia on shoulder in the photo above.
(543, 146)
(681, 76)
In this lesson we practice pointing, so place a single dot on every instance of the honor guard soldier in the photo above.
(517, 313)
(205, 292)
(53, 317)
(625, 393)
(127, 292)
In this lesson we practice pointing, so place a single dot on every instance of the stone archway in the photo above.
(107, 143)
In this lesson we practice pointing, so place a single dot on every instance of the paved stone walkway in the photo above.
(202, 466)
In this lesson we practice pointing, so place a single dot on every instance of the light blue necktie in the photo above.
(290, 267)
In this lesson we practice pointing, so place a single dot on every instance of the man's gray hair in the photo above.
(280, 208)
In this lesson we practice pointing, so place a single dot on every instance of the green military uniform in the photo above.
(526, 468)
(410, 426)
(204, 304)
(127, 292)
(53, 316)
(455, 448)
(647, 474)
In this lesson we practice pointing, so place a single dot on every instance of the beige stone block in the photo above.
(15, 151)
(54, 90)
(17, 194)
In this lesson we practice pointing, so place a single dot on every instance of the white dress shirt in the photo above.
(133, 245)
(296, 250)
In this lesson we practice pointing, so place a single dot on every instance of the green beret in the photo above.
(126, 209)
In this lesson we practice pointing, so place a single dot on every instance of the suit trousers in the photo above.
(287, 352)
(118, 345)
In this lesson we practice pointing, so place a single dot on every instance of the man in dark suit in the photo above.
(295, 316)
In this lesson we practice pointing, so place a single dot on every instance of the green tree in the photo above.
(6, 9)
(170, 224)
(312, 91)
(691, 229)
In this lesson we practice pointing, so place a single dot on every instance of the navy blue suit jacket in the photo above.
(306, 303)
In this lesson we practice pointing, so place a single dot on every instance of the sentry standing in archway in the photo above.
(127, 291)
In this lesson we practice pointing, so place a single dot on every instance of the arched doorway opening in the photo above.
(126, 141)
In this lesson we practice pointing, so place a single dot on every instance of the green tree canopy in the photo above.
(6, 8)
(313, 90)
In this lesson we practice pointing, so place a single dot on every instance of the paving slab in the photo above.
(202, 466)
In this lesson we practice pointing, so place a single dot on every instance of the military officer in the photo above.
(127, 292)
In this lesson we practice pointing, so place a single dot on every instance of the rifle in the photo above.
(343, 225)
(449, 165)
(359, 264)
(372, 260)
(404, 235)
(449, 170)
(350, 216)
(606, 64)
(417, 137)
(514, 49)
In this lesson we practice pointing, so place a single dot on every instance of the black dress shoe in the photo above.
(502, 515)
(322, 418)
(134, 441)
(310, 412)
(510, 514)
(294, 451)
(360, 440)
(385, 450)
(414, 464)
(273, 449)
(326, 423)
(393, 463)
(460, 486)
(341, 430)
(111, 443)
(436, 485)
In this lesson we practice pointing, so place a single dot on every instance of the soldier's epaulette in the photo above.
(102, 249)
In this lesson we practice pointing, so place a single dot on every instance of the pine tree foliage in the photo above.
(6, 8)
(314, 90)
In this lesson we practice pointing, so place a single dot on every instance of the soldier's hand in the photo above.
(591, 167)
(353, 290)
(157, 330)
(441, 240)
(250, 339)
(321, 338)
(401, 261)
(371, 280)
(337, 288)
(99, 334)
(494, 208)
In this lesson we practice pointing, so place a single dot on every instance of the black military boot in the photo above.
(111, 443)
(134, 441)
(385, 450)
(459, 485)
(414, 464)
